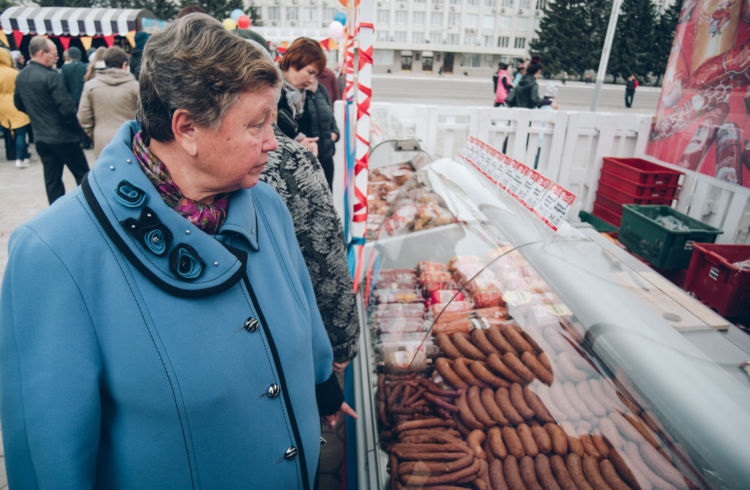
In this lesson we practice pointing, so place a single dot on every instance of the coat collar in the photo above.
(173, 253)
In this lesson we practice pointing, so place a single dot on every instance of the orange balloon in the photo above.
(346, 2)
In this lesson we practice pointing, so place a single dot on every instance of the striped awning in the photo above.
(71, 21)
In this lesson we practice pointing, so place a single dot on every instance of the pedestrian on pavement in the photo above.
(108, 100)
(527, 90)
(520, 72)
(630, 86)
(503, 85)
(15, 124)
(40, 93)
(135, 57)
(73, 73)
(96, 63)
(18, 59)
(161, 317)
(317, 121)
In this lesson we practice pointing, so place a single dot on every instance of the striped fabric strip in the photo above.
(67, 21)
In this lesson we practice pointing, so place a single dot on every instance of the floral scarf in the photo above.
(207, 217)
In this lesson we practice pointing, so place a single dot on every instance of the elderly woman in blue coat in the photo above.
(158, 328)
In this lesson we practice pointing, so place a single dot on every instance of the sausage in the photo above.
(557, 393)
(532, 362)
(495, 441)
(440, 401)
(443, 367)
(565, 363)
(560, 470)
(543, 392)
(460, 366)
(623, 469)
(536, 347)
(627, 430)
(609, 473)
(497, 365)
(572, 396)
(546, 361)
(502, 397)
(591, 472)
(636, 422)
(597, 389)
(446, 345)
(465, 413)
(558, 437)
(423, 424)
(479, 338)
(584, 392)
(495, 336)
(518, 401)
(474, 440)
(462, 343)
(513, 334)
(641, 468)
(575, 468)
(512, 361)
(421, 467)
(513, 442)
(528, 473)
(496, 476)
(556, 339)
(544, 473)
(527, 439)
(662, 466)
(536, 405)
(600, 445)
(513, 473)
(482, 480)
(393, 467)
(482, 373)
(610, 433)
(436, 479)
(476, 407)
(493, 409)
(588, 446)
(574, 444)
(541, 437)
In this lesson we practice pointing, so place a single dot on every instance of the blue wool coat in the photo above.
(138, 352)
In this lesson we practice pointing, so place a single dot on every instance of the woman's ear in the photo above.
(183, 128)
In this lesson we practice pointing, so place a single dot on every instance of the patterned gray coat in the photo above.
(297, 176)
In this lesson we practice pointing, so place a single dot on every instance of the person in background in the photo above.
(96, 63)
(73, 73)
(108, 100)
(18, 59)
(328, 79)
(40, 93)
(317, 121)
(161, 319)
(135, 57)
(527, 90)
(15, 124)
(630, 85)
(520, 72)
(503, 86)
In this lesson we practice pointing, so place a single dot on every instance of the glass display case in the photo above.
(497, 353)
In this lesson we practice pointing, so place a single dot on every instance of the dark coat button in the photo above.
(290, 453)
(273, 391)
(251, 324)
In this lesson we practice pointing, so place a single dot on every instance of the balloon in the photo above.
(344, 2)
(243, 21)
(229, 24)
(236, 13)
(340, 17)
(336, 29)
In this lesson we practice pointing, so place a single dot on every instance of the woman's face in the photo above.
(303, 78)
(233, 155)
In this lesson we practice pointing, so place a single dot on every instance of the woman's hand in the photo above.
(311, 144)
(332, 420)
(334, 137)
(339, 367)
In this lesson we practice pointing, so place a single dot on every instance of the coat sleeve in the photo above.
(49, 371)
(63, 100)
(534, 96)
(86, 111)
(334, 128)
(17, 100)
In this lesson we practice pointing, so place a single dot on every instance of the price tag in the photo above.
(554, 205)
(538, 186)
(515, 178)
(525, 183)
(516, 298)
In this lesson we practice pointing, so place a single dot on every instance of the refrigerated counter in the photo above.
(496, 306)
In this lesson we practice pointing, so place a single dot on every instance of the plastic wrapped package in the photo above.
(380, 296)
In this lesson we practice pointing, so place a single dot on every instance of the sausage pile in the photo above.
(501, 406)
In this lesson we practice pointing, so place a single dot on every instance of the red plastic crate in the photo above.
(641, 171)
(612, 206)
(607, 215)
(713, 278)
(635, 189)
(620, 197)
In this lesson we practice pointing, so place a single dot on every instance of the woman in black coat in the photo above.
(317, 121)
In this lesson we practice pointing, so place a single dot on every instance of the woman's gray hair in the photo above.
(198, 66)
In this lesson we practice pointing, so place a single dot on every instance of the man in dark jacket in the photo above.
(40, 93)
(73, 73)
(527, 91)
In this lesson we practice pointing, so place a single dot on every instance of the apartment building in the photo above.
(431, 36)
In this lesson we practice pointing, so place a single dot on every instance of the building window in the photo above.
(488, 22)
(503, 41)
(427, 63)
(329, 13)
(436, 18)
(400, 36)
(438, 3)
(452, 38)
(507, 4)
(524, 4)
(417, 18)
(308, 14)
(470, 39)
(417, 37)
(292, 13)
(472, 2)
(541, 4)
(382, 36)
(488, 41)
(384, 17)
(401, 17)
(490, 3)
(406, 62)
(471, 20)
(454, 2)
(520, 43)
(505, 22)
(471, 59)
(436, 37)
(522, 23)
(273, 13)
(454, 19)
